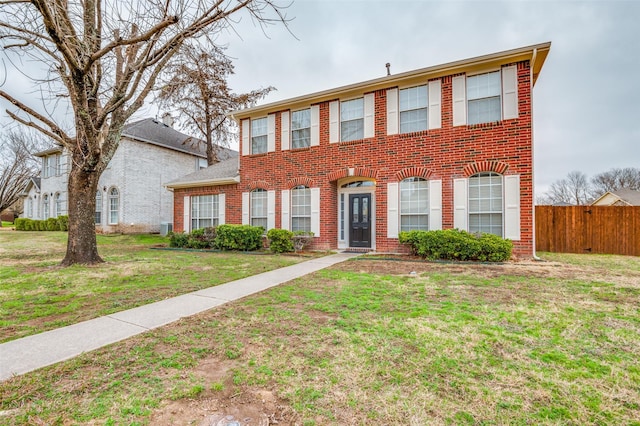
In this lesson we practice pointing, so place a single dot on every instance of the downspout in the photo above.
(533, 217)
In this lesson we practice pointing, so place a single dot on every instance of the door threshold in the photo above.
(358, 250)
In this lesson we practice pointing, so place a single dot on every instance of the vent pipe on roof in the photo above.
(388, 65)
(167, 119)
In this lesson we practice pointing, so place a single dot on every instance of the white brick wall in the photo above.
(138, 170)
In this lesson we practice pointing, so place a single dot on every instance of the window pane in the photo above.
(259, 208)
(301, 119)
(413, 121)
(351, 110)
(301, 209)
(414, 204)
(483, 85)
(258, 144)
(485, 203)
(413, 98)
(484, 110)
(301, 138)
(352, 130)
(259, 135)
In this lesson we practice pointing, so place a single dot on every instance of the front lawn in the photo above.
(38, 295)
(374, 342)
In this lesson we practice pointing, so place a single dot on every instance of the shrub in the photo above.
(20, 223)
(453, 244)
(52, 224)
(28, 225)
(63, 222)
(202, 238)
(178, 240)
(239, 237)
(280, 240)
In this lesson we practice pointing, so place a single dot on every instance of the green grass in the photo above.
(37, 295)
(365, 342)
(7, 224)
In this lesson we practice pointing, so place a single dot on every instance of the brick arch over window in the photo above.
(259, 184)
(304, 181)
(422, 172)
(364, 172)
(485, 166)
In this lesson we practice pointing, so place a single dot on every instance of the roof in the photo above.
(154, 132)
(627, 196)
(223, 173)
(33, 181)
(536, 54)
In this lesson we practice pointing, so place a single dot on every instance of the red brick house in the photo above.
(448, 146)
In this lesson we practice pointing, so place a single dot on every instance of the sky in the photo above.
(586, 108)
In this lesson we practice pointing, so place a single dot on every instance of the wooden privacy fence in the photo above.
(588, 229)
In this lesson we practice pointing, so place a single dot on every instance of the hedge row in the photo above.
(453, 244)
(60, 223)
(240, 238)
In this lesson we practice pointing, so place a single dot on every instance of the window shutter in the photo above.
(392, 111)
(435, 205)
(222, 212)
(334, 121)
(459, 100)
(392, 210)
(245, 208)
(186, 218)
(284, 218)
(369, 112)
(271, 132)
(435, 99)
(315, 125)
(460, 204)
(512, 207)
(271, 210)
(246, 124)
(315, 211)
(510, 92)
(285, 131)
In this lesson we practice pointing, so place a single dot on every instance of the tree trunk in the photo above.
(82, 246)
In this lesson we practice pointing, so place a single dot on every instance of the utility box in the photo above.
(165, 228)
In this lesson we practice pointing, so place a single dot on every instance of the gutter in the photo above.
(206, 182)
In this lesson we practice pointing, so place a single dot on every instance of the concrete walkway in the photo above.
(32, 352)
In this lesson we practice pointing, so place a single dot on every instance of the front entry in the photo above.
(360, 220)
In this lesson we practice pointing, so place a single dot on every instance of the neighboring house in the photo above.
(449, 146)
(130, 196)
(621, 197)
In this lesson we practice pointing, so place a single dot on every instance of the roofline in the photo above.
(54, 150)
(204, 182)
(536, 53)
(172, 148)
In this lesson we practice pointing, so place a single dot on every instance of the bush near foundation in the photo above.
(280, 240)
(453, 244)
(60, 223)
(239, 237)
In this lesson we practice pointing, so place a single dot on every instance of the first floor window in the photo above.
(485, 203)
(301, 128)
(45, 206)
(59, 204)
(414, 204)
(352, 120)
(413, 109)
(259, 208)
(204, 211)
(301, 209)
(483, 98)
(29, 207)
(114, 206)
(98, 207)
(259, 135)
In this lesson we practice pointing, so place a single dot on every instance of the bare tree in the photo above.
(195, 86)
(574, 189)
(104, 57)
(17, 165)
(615, 179)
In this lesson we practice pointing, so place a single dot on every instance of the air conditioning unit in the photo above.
(165, 228)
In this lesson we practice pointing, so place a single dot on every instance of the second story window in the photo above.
(259, 135)
(483, 98)
(301, 128)
(413, 109)
(352, 120)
